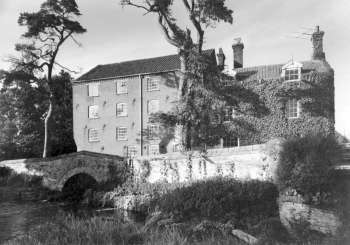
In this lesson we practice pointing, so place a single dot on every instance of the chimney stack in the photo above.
(317, 43)
(221, 59)
(238, 53)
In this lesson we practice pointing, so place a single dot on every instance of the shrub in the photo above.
(306, 164)
(5, 172)
(222, 199)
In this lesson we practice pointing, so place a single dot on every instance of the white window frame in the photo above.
(152, 110)
(122, 110)
(120, 136)
(153, 149)
(291, 66)
(289, 113)
(153, 131)
(131, 150)
(93, 89)
(93, 135)
(229, 140)
(122, 86)
(152, 84)
(230, 114)
(93, 111)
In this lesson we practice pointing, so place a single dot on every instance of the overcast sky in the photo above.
(116, 34)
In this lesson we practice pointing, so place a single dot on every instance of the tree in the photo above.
(47, 31)
(23, 101)
(192, 112)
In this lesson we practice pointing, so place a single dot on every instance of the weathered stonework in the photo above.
(57, 170)
(293, 212)
(246, 162)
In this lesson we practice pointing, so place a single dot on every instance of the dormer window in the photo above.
(291, 75)
(292, 71)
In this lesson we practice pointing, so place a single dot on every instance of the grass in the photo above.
(97, 230)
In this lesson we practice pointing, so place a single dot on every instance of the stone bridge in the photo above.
(57, 170)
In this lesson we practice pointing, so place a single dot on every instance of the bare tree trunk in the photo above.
(46, 125)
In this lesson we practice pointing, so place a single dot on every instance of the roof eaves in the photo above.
(116, 77)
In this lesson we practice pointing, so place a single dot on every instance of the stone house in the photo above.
(112, 103)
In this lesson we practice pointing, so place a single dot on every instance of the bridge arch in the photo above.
(76, 171)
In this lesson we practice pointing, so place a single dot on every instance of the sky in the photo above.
(267, 29)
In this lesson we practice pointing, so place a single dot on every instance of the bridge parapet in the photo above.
(57, 170)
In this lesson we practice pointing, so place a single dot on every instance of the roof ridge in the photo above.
(133, 67)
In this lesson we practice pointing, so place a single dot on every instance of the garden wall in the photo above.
(245, 162)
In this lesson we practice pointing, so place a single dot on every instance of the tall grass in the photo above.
(97, 230)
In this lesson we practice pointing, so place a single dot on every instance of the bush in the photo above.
(222, 199)
(306, 165)
(5, 172)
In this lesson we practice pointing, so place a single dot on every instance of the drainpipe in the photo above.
(141, 142)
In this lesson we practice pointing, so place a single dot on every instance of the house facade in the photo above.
(112, 103)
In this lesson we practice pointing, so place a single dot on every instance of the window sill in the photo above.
(93, 141)
(121, 93)
(94, 118)
(295, 80)
(153, 90)
(122, 139)
(122, 116)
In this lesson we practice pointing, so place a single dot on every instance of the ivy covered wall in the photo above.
(315, 93)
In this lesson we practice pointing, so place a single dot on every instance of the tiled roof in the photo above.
(274, 71)
(135, 67)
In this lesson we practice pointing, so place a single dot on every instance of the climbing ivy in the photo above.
(315, 93)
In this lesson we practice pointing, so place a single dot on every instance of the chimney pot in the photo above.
(221, 59)
(317, 44)
(238, 47)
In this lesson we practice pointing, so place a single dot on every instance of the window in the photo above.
(153, 106)
(153, 149)
(227, 82)
(153, 131)
(93, 135)
(93, 89)
(131, 151)
(93, 111)
(292, 71)
(122, 110)
(292, 108)
(152, 84)
(230, 141)
(291, 74)
(122, 87)
(229, 114)
(122, 133)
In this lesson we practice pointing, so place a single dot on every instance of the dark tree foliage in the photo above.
(47, 30)
(192, 115)
(23, 101)
(306, 165)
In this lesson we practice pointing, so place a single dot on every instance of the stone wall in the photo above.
(57, 170)
(245, 162)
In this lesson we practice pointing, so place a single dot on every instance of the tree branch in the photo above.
(196, 24)
(171, 40)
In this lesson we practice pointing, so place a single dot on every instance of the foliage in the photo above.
(9, 178)
(315, 93)
(306, 164)
(98, 230)
(5, 172)
(134, 187)
(196, 100)
(222, 199)
(47, 30)
(23, 102)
